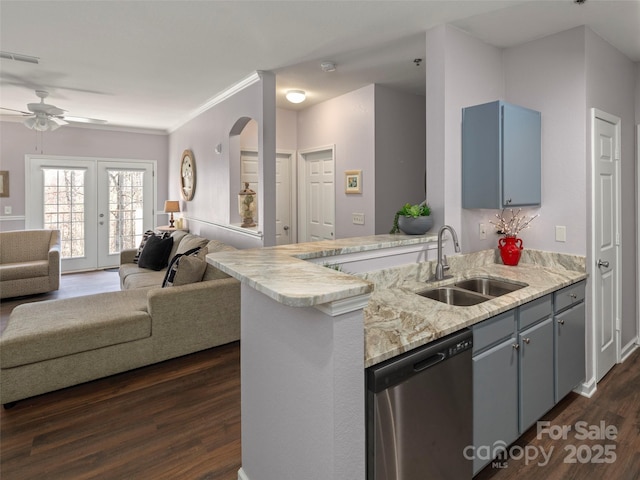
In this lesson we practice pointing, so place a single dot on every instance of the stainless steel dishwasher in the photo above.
(419, 412)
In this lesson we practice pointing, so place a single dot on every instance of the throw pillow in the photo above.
(191, 241)
(186, 268)
(155, 253)
(143, 242)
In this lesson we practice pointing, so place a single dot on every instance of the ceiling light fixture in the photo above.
(42, 123)
(328, 66)
(296, 96)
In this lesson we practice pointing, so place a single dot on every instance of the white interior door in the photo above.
(285, 234)
(99, 206)
(606, 238)
(284, 188)
(317, 195)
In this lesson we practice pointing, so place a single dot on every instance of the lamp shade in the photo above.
(171, 206)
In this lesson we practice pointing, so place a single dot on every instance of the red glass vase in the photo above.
(510, 250)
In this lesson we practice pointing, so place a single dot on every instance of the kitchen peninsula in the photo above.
(308, 332)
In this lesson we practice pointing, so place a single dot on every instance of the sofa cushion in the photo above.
(191, 241)
(186, 268)
(155, 254)
(144, 279)
(42, 330)
(177, 236)
(16, 271)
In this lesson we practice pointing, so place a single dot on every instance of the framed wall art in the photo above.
(353, 181)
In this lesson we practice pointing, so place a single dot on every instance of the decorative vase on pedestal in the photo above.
(510, 249)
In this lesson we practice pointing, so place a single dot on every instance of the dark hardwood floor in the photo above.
(180, 419)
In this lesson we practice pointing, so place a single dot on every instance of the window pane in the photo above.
(64, 194)
(125, 209)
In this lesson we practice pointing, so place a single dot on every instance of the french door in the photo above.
(100, 206)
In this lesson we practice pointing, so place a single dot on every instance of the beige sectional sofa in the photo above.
(29, 262)
(59, 343)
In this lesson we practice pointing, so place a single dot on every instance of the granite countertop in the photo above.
(283, 274)
(397, 320)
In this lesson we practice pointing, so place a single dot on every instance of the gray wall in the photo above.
(381, 132)
(214, 206)
(400, 125)
(563, 76)
(611, 81)
(347, 122)
(16, 141)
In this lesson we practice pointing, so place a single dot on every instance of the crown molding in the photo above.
(219, 98)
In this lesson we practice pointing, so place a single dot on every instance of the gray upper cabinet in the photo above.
(500, 156)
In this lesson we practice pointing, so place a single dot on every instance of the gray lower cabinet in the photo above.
(536, 372)
(569, 324)
(495, 399)
(513, 375)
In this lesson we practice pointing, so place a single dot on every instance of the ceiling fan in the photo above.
(42, 116)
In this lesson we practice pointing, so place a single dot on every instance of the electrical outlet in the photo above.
(482, 231)
(561, 233)
(7, 209)
(357, 218)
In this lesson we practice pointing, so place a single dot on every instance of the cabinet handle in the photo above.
(561, 321)
(573, 296)
(515, 346)
(527, 340)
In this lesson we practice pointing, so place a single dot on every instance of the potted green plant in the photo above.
(413, 219)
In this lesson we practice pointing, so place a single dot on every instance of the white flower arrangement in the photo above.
(514, 225)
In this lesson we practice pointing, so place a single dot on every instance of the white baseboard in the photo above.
(587, 389)
(242, 475)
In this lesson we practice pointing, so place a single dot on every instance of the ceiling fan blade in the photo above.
(58, 120)
(17, 111)
(72, 118)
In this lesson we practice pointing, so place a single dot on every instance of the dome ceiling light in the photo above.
(296, 96)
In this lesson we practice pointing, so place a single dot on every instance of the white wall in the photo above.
(347, 122)
(16, 141)
(611, 83)
(400, 125)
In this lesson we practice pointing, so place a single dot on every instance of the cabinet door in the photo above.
(570, 350)
(536, 372)
(521, 145)
(495, 398)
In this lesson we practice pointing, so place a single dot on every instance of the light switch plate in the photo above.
(7, 210)
(357, 218)
(561, 233)
(482, 231)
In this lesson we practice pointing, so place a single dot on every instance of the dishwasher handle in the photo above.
(429, 362)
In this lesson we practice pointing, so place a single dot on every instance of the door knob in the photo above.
(286, 228)
(603, 263)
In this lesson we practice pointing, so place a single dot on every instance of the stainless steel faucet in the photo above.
(442, 259)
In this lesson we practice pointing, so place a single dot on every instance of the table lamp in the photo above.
(171, 206)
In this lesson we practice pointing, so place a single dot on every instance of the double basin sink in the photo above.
(471, 291)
